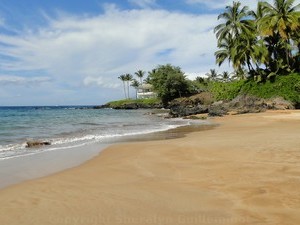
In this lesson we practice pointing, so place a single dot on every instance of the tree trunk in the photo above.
(124, 89)
(128, 89)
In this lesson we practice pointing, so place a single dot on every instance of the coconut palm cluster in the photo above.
(260, 44)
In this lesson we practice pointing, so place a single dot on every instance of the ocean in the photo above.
(67, 127)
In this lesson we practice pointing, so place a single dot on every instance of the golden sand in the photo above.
(245, 171)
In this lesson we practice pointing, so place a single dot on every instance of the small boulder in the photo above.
(31, 144)
(182, 111)
(127, 106)
(218, 109)
(279, 103)
(247, 104)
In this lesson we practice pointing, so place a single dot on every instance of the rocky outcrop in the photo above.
(127, 106)
(196, 104)
(218, 109)
(241, 104)
(36, 143)
(182, 111)
(247, 104)
(130, 106)
(101, 107)
(250, 104)
(279, 103)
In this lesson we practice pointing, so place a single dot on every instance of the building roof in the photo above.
(145, 86)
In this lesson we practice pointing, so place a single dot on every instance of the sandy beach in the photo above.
(244, 171)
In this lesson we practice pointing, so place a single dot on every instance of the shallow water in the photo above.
(68, 127)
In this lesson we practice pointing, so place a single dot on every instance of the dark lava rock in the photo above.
(218, 109)
(279, 103)
(31, 144)
(101, 107)
(127, 106)
(182, 110)
(248, 104)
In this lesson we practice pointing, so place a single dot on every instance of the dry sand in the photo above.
(245, 171)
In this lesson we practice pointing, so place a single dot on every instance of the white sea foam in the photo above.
(68, 129)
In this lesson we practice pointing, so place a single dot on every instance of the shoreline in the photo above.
(24, 168)
(245, 171)
(44, 163)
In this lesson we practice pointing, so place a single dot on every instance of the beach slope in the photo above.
(244, 171)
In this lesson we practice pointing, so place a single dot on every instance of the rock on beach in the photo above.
(36, 143)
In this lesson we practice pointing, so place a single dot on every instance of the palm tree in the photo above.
(212, 75)
(150, 75)
(236, 22)
(280, 21)
(128, 78)
(225, 76)
(135, 84)
(239, 74)
(224, 52)
(140, 74)
(282, 18)
(263, 47)
(259, 13)
(246, 52)
(233, 33)
(123, 79)
(200, 80)
(268, 38)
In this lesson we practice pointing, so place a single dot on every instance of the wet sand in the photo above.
(23, 168)
(244, 171)
(19, 169)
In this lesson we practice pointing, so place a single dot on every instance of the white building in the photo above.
(145, 91)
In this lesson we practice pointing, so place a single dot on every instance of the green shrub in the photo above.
(225, 90)
(150, 101)
(287, 87)
(169, 82)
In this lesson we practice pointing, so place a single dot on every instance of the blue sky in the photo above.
(62, 52)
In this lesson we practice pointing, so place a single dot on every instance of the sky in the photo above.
(62, 52)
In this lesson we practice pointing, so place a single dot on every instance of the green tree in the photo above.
(200, 80)
(279, 22)
(263, 48)
(224, 52)
(236, 22)
(123, 79)
(234, 34)
(244, 52)
(169, 82)
(150, 74)
(212, 75)
(135, 84)
(128, 79)
(225, 76)
(140, 74)
(265, 41)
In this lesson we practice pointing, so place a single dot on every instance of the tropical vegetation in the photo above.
(262, 46)
(263, 43)
(169, 82)
(146, 102)
(126, 79)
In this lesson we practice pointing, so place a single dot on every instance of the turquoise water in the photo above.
(67, 127)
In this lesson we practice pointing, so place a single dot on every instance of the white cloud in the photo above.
(86, 54)
(99, 81)
(78, 50)
(17, 80)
